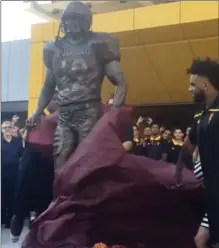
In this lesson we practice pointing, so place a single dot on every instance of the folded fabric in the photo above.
(103, 194)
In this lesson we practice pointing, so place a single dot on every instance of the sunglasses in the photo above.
(6, 127)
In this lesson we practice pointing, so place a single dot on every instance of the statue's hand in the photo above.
(33, 122)
(112, 107)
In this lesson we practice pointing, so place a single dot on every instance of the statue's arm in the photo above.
(49, 85)
(113, 70)
(114, 73)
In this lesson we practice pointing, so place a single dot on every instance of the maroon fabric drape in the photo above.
(104, 195)
(44, 133)
(42, 137)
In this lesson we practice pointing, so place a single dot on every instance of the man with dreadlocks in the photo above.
(204, 86)
(77, 64)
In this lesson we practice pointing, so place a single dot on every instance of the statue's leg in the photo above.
(87, 120)
(65, 141)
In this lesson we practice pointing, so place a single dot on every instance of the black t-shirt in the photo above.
(173, 151)
(11, 153)
(155, 148)
(205, 135)
(129, 134)
(138, 148)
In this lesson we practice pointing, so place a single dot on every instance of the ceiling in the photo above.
(54, 9)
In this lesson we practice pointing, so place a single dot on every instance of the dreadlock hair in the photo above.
(206, 68)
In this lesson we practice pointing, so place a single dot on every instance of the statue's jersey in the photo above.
(79, 68)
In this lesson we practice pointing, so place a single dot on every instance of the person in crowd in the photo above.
(204, 87)
(162, 129)
(139, 121)
(34, 189)
(16, 131)
(128, 142)
(23, 134)
(174, 146)
(144, 121)
(188, 129)
(15, 120)
(11, 152)
(137, 142)
(167, 135)
(155, 148)
(147, 133)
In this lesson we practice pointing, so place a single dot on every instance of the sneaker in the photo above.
(14, 239)
(32, 219)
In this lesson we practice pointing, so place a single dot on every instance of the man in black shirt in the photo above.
(11, 152)
(174, 146)
(204, 86)
(155, 148)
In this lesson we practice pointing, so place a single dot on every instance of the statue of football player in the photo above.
(76, 66)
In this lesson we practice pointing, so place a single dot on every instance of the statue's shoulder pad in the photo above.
(106, 38)
(50, 46)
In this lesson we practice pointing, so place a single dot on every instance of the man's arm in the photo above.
(114, 73)
(187, 151)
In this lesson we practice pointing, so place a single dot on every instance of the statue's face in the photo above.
(74, 25)
(76, 19)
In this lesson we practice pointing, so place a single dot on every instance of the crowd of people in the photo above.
(158, 142)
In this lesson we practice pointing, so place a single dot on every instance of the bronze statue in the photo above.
(76, 66)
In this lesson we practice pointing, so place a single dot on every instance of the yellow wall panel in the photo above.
(159, 34)
(37, 70)
(143, 82)
(32, 105)
(37, 32)
(171, 61)
(56, 27)
(48, 31)
(206, 47)
(128, 39)
(158, 15)
(203, 29)
(202, 10)
(118, 21)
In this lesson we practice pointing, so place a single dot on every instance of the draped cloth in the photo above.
(103, 194)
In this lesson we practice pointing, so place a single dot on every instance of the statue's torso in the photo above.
(78, 71)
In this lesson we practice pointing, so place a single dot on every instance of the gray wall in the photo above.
(15, 70)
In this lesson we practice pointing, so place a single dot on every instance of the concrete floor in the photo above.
(5, 239)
